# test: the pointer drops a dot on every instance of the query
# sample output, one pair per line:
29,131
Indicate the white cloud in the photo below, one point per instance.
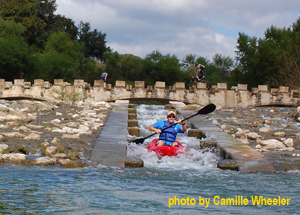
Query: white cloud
180,27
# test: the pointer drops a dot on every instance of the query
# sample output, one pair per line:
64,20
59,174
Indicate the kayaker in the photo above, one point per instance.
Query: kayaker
168,136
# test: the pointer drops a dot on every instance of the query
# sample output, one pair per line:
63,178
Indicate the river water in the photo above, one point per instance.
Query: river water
191,181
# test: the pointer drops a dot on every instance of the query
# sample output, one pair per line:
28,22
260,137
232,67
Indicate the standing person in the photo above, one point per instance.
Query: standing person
168,136
104,76
200,72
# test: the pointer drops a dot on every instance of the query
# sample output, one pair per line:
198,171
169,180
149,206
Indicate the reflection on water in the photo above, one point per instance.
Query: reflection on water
102,190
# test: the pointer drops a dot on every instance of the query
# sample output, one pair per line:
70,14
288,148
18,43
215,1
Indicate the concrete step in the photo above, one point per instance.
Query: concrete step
110,149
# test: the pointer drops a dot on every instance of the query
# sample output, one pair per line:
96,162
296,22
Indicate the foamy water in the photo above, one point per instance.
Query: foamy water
194,158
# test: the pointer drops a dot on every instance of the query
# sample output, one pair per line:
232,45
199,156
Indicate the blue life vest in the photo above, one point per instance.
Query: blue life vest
103,75
168,134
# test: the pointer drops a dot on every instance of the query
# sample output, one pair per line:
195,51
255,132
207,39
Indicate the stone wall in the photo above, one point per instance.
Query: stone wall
237,96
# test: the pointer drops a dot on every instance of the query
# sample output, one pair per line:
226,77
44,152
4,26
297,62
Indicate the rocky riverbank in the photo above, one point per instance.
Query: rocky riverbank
273,131
43,133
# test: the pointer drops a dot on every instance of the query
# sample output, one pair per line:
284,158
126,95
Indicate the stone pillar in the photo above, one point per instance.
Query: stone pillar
120,84
160,85
79,82
97,83
201,86
139,84
58,82
38,82
19,82
230,100
179,85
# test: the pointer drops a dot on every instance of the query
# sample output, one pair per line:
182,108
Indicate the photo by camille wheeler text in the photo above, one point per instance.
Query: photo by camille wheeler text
237,200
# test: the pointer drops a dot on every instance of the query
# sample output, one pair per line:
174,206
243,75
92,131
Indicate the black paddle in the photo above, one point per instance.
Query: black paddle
207,109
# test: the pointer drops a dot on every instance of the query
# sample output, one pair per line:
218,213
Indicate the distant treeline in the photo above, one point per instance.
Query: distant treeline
35,43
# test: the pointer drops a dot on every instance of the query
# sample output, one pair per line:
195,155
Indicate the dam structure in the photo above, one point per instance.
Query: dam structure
237,96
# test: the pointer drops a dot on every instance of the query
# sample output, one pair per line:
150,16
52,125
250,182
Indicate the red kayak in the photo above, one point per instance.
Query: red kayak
165,150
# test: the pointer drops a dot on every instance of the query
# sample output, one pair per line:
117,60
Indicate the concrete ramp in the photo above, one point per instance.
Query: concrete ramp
235,152
110,149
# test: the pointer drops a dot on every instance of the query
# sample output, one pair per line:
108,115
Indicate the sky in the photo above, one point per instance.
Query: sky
180,27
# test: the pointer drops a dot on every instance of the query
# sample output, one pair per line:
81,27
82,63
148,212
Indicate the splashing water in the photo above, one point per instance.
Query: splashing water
194,158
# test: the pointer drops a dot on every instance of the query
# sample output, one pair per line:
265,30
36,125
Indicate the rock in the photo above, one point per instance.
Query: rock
71,136
17,157
280,134
45,161
45,144
224,127
264,130
74,156
32,126
13,134
22,128
253,136
268,122
75,115
55,121
272,144
51,150
3,138
240,132
258,146
55,140
65,162
288,149
60,155
32,136
289,142
3,147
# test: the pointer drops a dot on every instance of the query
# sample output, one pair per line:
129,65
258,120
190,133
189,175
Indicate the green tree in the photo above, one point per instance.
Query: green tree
16,61
289,65
131,67
63,24
113,66
24,12
89,71
62,58
95,44
247,56
158,67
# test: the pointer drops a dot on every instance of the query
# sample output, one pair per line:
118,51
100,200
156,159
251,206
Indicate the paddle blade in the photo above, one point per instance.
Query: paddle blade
207,109
138,141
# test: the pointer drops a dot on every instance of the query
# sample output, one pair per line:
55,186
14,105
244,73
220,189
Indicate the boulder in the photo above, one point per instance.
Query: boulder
13,134
289,142
272,144
32,136
51,150
253,136
280,134
45,161
265,130
17,157
3,147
